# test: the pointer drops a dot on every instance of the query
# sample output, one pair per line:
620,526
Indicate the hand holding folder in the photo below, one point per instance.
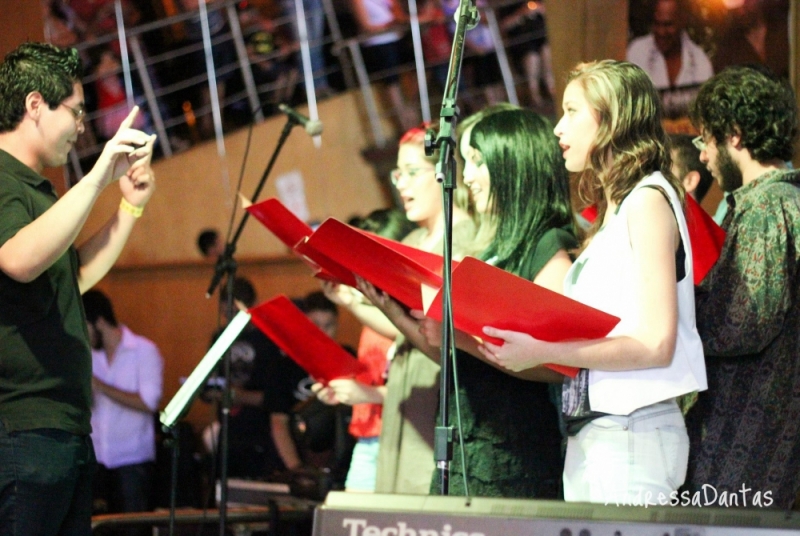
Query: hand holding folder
484,295
319,355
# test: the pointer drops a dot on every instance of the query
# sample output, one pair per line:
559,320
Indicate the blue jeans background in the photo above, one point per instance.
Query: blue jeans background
45,483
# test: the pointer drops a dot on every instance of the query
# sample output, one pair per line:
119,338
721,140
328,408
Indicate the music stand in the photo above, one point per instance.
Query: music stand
180,403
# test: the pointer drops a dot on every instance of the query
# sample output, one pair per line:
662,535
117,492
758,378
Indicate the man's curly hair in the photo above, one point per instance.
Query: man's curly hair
753,104
41,67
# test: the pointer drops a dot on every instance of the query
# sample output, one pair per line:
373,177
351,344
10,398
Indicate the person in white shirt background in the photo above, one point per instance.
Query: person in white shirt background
667,53
127,381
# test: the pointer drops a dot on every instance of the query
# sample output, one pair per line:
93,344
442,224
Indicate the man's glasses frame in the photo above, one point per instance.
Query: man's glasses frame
699,143
78,113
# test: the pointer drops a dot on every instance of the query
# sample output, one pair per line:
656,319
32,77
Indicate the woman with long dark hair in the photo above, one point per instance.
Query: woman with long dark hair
516,175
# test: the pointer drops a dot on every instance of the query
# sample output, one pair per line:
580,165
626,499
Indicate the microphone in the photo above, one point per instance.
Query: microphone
314,128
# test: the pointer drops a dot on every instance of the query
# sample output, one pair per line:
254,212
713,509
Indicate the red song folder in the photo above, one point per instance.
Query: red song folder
484,295
705,236
281,221
431,261
319,355
400,272
293,232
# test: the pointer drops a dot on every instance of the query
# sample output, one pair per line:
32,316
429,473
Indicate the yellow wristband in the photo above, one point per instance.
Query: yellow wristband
134,211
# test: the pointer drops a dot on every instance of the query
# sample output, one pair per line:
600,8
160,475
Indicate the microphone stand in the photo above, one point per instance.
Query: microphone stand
226,267
445,142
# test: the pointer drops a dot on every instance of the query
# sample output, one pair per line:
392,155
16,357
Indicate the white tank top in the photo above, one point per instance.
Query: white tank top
602,278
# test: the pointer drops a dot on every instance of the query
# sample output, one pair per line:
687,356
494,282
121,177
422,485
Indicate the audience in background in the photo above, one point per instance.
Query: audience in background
687,167
260,442
384,52
210,244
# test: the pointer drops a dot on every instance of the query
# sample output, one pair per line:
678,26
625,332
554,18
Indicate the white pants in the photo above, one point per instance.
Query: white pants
628,459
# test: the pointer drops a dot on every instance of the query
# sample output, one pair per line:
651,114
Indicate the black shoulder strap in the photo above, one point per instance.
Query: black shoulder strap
680,254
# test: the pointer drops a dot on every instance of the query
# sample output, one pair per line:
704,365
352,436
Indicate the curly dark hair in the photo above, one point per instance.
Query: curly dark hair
41,67
750,102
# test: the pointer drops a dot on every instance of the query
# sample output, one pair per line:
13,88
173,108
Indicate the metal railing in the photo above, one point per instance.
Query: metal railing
159,96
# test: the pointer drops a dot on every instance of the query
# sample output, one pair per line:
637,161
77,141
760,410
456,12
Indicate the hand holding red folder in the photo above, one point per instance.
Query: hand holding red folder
319,355
484,295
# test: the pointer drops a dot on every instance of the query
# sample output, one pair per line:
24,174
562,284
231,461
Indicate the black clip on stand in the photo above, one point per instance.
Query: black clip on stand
226,266
445,142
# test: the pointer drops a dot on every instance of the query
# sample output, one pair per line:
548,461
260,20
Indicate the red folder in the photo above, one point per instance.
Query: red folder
327,268
705,236
484,295
590,213
431,261
281,221
292,231
319,355
341,249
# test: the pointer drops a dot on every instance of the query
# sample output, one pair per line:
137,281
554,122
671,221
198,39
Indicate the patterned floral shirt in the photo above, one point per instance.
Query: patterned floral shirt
745,429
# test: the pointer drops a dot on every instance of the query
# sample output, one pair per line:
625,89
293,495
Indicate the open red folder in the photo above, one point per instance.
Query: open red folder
484,295
289,229
398,271
281,221
319,355
292,231
705,235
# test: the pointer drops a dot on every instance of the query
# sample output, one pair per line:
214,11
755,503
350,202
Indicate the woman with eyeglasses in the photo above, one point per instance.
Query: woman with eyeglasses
411,396
627,440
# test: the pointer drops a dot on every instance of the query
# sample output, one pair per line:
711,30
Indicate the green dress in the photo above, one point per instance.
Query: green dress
510,426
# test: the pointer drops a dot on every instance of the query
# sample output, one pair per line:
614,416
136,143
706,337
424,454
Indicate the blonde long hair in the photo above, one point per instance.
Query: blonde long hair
631,142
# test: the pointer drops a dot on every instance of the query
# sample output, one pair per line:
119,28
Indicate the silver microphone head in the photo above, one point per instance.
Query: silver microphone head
314,128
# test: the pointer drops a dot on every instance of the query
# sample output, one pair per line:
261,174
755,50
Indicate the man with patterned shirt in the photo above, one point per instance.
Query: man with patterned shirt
745,429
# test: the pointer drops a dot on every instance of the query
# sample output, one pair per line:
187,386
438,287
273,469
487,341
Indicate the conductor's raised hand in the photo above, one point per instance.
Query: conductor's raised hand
127,146
138,183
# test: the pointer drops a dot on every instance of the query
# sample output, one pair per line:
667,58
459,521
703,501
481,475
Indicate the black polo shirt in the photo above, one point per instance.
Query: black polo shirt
45,359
